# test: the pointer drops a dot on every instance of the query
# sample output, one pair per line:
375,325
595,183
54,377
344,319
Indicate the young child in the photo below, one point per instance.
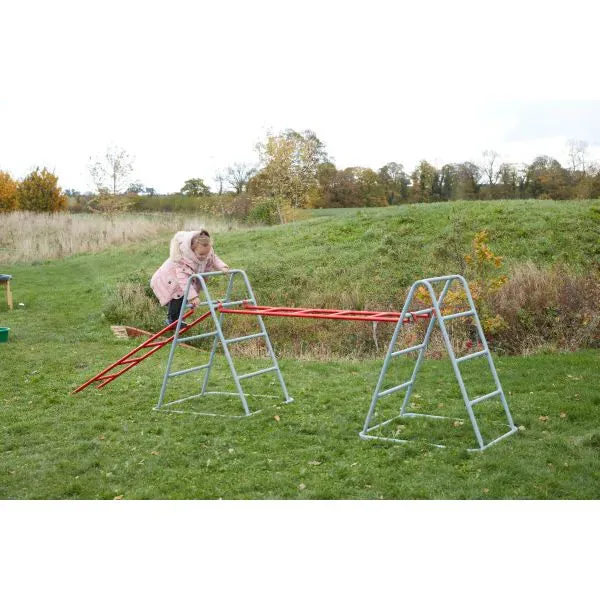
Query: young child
190,252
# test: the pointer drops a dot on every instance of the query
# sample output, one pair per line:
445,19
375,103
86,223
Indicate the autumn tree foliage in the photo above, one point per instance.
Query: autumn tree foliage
8,193
195,187
289,167
39,192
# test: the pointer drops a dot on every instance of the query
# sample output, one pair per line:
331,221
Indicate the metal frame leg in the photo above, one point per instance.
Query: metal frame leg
216,340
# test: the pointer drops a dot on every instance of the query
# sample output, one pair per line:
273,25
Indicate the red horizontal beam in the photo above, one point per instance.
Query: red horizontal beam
323,313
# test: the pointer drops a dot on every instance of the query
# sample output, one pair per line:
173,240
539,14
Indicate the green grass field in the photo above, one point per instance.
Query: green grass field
109,443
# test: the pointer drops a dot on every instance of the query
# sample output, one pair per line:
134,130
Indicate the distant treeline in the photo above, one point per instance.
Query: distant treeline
295,172
544,178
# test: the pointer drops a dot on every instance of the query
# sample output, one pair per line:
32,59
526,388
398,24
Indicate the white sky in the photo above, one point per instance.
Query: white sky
190,87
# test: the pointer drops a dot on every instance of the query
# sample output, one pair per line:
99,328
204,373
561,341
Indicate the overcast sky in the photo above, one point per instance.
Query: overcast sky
190,87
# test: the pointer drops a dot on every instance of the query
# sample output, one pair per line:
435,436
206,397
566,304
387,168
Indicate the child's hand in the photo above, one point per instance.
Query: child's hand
195,302
225,269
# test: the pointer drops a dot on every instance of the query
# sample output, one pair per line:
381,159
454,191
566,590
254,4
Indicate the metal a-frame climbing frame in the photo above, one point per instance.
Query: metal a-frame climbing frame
215,307
440,319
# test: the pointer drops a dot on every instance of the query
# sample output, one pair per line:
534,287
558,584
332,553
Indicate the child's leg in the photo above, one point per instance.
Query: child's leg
174,307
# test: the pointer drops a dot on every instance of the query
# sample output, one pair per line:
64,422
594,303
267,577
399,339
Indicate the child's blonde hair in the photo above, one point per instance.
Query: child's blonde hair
202,237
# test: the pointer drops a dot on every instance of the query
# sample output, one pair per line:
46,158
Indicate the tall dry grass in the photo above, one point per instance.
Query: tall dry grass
26,236
547,308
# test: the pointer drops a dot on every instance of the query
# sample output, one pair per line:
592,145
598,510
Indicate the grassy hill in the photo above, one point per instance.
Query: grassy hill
109,443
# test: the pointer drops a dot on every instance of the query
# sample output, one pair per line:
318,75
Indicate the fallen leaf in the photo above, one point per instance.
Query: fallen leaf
485,490
301,487
231,450
458,423
118,498
543,418
314,463
155,452
277,418
101,436
563,415
522,427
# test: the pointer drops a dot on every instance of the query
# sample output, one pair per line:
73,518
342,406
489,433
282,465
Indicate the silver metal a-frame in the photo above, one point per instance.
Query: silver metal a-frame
218,337
440,319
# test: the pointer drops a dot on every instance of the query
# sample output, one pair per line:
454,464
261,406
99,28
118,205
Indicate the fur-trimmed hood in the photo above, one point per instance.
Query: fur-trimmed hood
181,247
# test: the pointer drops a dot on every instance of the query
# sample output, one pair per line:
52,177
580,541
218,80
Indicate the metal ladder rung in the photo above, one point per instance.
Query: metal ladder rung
411,349
468,313
472,355
196,337
221,303
482,398
176,373
394,389
257,373
244,337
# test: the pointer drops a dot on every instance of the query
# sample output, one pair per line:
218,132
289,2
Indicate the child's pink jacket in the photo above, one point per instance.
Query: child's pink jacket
170,279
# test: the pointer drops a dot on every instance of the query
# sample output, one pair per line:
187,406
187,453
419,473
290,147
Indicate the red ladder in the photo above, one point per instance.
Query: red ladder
107,377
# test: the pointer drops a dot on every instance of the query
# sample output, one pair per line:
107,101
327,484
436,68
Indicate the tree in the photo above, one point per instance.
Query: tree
150,191
195,187
395,182
547,179
426,182
289,168
489,167
220,179
341,187
577,150
468,175
370,190
136,188
39,192
508,181
8,193
238,175
448,181
111,173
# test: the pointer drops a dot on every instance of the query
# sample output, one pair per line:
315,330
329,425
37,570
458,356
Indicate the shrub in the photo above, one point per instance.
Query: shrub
8,193
39,192
133,303
264,212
